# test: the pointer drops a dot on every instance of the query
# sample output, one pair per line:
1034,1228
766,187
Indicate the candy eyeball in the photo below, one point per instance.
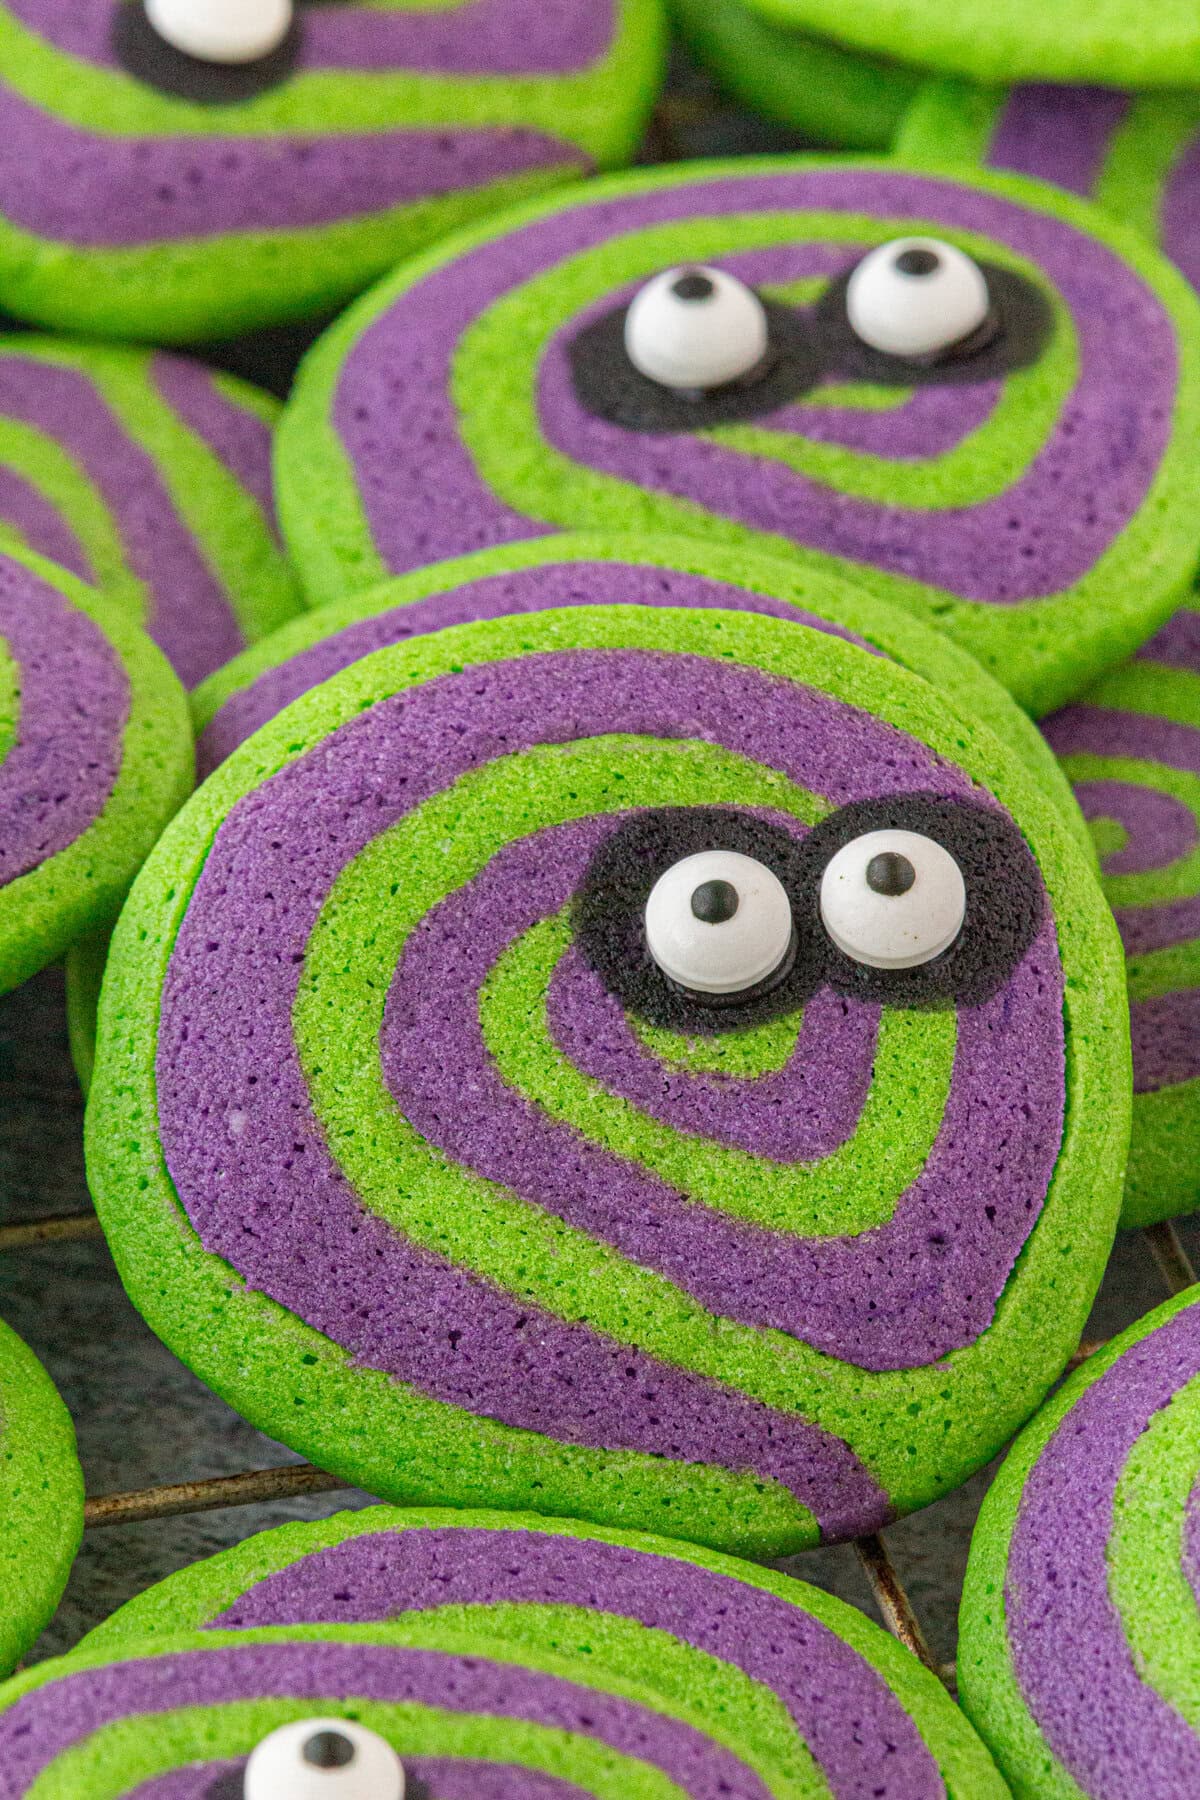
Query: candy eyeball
916,298
893,899
719,923
694,329
324,1759
222,31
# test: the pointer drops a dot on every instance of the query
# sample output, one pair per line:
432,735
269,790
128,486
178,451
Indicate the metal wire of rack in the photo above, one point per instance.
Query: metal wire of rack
293,1480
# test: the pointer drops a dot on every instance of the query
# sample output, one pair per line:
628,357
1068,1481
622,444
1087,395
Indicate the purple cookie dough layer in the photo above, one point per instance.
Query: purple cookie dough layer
193,1783
1166,1039
1082,730
966,1216
64,763
43,529
794,1116
1058,134
1159,829
820,1679
413,746
1191,1540
237,437
1095,467
930,423
1179,213
1114,1734
493,597
474,38
191,618
1176,644
507,1360
48,1721
94,192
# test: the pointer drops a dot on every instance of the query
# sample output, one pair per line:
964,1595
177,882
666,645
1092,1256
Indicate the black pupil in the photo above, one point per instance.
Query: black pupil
714,902
328,1750
917,262
693,286
890,873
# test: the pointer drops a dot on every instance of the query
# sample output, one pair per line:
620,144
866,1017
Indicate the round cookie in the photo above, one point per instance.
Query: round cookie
1113,41
157,195
828,94
150,476
1079,1642
41,1498
1131,747
1030,494
576,569
533,1225
1136,155
811,1698
95,755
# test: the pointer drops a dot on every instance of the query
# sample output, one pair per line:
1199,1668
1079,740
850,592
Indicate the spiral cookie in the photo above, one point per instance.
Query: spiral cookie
992,421
41,1498
95,756
812,1699
1136,155
437,1125
1079,1644
1131,748
1111,41
150,476
187,169
582,570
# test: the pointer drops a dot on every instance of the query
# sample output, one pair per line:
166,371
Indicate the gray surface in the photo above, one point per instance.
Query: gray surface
144,1419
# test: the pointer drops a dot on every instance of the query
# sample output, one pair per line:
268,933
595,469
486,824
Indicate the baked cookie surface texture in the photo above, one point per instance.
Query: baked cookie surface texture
176,171
441,1125
779,1688
1079,1645
95,755
41,1498
972,396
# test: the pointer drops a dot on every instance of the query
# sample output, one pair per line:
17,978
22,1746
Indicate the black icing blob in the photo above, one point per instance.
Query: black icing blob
157,64
1005,906
609,387
805,348
1016,331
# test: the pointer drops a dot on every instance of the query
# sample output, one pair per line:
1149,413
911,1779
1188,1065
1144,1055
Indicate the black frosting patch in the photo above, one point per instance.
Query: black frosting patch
609,387
157,64
1005,903
806,347
1017,330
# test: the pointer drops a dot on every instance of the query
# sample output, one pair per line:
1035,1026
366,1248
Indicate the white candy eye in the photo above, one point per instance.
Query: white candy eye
222,31
916,298
695,328
719,922
324,1759
893,899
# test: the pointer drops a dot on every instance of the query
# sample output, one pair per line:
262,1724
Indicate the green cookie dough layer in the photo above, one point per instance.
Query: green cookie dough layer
41,1498
371,1429
1043,649
959,679
1117,43
186,290
81,888
85,973
828,94
1146,1582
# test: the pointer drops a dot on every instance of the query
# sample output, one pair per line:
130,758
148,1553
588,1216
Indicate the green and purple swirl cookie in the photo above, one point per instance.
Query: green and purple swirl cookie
95,756
1131,747
1136,155
183,169
440,1124
1079,1643
1120,42
41,1498
149,476
978,398
599,1664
